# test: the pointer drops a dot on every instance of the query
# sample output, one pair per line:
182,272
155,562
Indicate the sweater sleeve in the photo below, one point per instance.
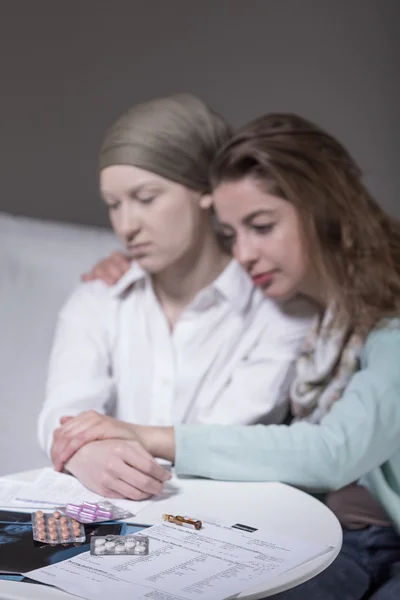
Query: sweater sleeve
360,433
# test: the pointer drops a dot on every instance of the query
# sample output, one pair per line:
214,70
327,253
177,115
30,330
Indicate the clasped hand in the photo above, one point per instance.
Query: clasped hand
107,456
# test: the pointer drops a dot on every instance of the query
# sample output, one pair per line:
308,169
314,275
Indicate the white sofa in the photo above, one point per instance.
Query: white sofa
40,263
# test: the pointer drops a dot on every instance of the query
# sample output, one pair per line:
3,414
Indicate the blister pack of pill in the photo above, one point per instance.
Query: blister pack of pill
54,528
119,545
95,512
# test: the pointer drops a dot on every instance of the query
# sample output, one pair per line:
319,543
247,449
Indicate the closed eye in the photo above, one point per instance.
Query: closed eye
113,205
227,239
263,229
147,200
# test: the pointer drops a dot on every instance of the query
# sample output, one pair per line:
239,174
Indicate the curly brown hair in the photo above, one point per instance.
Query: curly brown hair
353,243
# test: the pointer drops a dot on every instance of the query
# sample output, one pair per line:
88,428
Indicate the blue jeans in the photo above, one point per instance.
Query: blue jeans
367,567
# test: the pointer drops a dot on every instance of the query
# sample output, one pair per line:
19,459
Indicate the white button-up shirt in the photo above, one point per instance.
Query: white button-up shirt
228,359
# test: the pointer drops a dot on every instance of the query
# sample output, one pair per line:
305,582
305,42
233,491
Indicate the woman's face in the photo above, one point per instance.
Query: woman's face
157,220
264,233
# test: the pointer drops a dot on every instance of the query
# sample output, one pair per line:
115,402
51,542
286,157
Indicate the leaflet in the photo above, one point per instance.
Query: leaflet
52,489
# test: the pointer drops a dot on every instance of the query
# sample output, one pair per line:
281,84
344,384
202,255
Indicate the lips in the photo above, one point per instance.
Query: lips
263,279
138,248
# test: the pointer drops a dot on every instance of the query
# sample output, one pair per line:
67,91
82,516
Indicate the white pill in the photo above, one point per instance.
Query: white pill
120,548
110,545
100,550
130,544
99,542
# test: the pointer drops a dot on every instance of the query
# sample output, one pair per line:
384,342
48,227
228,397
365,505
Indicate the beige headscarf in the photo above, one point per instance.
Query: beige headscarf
176,137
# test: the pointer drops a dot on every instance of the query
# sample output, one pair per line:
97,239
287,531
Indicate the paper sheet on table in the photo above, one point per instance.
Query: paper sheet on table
56,489
9,490
211,564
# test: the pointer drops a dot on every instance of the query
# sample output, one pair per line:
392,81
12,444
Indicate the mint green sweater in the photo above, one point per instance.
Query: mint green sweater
359,440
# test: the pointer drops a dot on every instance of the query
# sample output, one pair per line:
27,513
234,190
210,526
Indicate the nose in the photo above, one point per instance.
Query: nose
245,252
129,223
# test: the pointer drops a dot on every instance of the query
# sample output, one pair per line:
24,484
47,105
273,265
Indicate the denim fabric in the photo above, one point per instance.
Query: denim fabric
368,567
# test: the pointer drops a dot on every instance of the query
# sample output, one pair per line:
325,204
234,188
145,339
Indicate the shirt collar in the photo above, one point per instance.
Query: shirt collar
135,274
233,284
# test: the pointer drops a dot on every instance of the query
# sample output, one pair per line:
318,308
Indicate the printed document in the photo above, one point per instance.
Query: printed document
184,564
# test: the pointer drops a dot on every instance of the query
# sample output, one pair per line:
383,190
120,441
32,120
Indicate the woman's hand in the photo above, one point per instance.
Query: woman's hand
118,469
110,269
158,441
89,426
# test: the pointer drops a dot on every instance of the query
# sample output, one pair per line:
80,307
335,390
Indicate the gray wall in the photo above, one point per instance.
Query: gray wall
68,69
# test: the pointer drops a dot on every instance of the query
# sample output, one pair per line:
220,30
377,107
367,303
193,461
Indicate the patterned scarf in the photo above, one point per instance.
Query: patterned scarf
329,358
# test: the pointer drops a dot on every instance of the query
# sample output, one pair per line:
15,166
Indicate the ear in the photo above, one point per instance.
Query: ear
206,201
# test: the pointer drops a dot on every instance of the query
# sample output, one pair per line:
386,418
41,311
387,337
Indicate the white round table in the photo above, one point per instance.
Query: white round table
276,506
